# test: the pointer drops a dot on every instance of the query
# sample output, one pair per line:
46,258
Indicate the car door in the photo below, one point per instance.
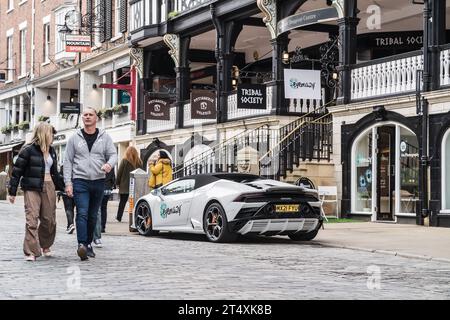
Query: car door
175,203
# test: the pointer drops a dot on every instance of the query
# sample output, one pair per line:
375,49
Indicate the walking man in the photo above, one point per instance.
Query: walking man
90,155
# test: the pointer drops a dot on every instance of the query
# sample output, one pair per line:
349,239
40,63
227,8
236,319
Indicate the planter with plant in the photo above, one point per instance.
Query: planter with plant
6,129
43,118
24,125
15,127
107,113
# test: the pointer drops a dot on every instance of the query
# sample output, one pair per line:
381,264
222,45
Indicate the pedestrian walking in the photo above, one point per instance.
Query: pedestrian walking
90,155
110,184
69,207
36,170
130,162
160,170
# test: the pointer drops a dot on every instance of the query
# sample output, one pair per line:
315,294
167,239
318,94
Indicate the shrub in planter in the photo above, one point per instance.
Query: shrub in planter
24,125
124,108
43,118
15,127
5,130
107,113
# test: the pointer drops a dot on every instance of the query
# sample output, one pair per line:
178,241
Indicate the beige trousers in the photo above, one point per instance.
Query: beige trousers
40,207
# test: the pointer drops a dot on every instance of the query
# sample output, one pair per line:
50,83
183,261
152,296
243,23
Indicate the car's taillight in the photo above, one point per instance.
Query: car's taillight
249,197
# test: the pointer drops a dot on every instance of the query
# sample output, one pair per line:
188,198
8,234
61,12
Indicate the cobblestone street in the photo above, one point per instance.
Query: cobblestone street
188,267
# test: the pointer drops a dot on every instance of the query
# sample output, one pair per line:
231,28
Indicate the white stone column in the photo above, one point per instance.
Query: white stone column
115,93
104,80
20,114
58,98
14,110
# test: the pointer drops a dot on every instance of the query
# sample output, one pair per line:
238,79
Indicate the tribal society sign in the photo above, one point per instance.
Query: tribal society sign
302,84
251,96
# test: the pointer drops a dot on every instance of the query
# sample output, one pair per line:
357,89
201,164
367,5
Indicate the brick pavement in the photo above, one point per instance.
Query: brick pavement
174,266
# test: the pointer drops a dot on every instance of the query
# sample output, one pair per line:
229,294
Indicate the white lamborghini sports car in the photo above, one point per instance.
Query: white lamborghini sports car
225,205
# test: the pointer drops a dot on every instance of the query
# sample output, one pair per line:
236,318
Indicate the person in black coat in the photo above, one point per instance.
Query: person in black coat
69,207
35,169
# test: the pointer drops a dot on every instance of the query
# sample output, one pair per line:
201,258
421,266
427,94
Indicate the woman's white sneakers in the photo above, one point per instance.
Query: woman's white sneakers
30,258
46,252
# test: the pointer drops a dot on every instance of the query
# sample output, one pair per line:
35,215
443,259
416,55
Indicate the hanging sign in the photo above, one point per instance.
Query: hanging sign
302,84
156,109
67,107
78,43
307,18
203,104
251,96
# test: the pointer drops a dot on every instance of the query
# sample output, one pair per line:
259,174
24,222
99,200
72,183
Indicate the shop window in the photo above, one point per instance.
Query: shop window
363,174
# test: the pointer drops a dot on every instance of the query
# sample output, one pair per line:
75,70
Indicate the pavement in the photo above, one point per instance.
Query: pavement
181,266
410,241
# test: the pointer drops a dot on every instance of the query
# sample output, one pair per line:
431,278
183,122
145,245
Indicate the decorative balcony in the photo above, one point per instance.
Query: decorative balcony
388,76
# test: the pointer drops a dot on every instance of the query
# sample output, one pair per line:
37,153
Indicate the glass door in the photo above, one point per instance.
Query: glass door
385,167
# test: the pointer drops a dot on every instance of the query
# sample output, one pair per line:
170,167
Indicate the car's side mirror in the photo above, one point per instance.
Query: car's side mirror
163,191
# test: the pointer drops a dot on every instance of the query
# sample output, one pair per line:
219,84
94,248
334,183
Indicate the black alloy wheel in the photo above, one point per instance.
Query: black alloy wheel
215,224
143,220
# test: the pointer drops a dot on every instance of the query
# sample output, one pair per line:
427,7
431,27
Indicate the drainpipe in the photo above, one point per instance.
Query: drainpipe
33,25
424,159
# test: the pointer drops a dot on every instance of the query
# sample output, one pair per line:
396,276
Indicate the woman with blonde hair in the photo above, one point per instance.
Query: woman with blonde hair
36,169
130,162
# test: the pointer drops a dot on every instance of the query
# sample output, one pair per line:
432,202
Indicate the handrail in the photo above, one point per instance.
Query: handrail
292,132
206,153
386,59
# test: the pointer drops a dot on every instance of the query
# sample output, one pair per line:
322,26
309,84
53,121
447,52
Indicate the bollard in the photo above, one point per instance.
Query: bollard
3,178
138,188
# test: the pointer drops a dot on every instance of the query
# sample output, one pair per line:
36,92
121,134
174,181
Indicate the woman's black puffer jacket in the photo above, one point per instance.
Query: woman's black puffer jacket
30,167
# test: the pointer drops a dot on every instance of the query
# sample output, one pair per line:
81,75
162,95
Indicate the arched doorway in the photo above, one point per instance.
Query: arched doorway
385,172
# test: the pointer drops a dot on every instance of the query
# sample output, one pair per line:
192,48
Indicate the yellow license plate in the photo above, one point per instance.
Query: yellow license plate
287,207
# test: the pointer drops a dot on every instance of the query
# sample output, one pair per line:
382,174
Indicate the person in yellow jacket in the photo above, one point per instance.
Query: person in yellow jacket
160,170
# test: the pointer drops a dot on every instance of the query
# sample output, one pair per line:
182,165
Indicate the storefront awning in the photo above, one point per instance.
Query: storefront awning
8,147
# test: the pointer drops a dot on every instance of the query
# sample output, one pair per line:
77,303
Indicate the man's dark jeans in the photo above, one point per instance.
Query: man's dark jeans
88,196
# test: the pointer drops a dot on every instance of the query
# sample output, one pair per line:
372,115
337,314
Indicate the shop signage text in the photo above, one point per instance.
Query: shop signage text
302,84
156,109
306,18
78,43
251,96
67,107
203,104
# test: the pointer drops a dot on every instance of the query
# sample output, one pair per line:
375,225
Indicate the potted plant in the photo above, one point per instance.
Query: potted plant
124,108
117,109
5,130
43,118
15,127
24,125
107,113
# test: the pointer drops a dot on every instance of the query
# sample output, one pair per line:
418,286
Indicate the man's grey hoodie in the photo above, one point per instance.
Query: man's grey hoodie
79,163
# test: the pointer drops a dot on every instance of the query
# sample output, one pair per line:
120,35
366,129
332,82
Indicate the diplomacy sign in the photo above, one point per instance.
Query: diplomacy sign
203,104
302,84
156,109
251,96
78,43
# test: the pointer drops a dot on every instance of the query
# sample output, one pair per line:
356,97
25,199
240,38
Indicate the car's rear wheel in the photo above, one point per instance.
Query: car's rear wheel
304,236
215,224
143,220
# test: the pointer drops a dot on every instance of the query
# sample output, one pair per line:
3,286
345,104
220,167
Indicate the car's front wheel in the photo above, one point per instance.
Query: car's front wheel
304,236
215,224
143,220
